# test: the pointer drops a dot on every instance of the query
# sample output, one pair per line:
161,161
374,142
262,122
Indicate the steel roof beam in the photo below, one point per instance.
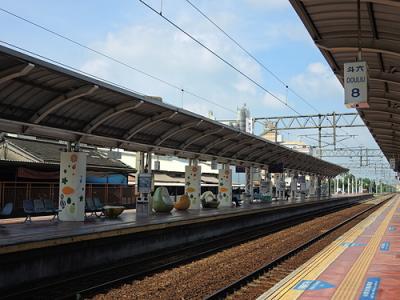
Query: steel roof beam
235,145
15,72
199,136
256,153
393,3
220,141
372,20
62,100
262,157
368,45
246,149
149,122
110,113
175,130
276,156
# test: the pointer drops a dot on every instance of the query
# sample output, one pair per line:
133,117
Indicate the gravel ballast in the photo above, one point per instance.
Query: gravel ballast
202,277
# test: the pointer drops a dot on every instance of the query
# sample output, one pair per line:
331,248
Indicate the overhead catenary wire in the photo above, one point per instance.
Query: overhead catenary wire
259,62
219,56
222,59
107,56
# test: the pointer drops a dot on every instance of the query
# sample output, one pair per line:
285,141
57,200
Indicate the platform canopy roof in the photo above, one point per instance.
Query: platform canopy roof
333,24
46,100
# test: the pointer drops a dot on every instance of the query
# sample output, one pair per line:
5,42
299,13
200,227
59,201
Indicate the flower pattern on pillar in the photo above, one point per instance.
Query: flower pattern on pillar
72,186
193,185
225,187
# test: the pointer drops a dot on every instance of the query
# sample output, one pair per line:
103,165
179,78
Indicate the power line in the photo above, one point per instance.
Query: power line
251,55
219,56
254,58
112,59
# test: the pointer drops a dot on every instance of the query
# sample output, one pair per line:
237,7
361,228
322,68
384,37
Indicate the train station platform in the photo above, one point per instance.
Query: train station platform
41,249
361,264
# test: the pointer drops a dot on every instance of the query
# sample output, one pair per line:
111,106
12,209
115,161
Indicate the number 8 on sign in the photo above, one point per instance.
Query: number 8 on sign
355,92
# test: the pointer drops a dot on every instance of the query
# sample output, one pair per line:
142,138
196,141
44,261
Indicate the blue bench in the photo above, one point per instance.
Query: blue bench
94,207
7,210
38,207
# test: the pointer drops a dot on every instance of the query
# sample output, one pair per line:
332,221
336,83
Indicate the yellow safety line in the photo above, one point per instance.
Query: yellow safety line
350,285
316,265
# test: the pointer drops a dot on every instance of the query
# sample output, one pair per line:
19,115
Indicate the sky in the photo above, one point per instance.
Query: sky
130,32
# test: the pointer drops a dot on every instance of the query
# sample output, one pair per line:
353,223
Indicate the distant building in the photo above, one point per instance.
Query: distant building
298,146
271,134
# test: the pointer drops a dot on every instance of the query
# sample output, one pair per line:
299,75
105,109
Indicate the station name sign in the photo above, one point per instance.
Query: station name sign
356,84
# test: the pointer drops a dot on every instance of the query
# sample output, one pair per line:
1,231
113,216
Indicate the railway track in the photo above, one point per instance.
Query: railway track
92,282
264,278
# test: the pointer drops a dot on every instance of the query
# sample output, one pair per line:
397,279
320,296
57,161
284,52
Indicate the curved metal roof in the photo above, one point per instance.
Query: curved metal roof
45,100
333,26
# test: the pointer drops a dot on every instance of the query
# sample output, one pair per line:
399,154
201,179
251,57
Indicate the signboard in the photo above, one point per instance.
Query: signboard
312,285
276,168
240,169
370,289
351,244
144,183
249,125
356,84
385,246
264,187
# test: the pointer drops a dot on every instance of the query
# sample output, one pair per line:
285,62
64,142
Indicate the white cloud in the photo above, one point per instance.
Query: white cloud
170,55
272,103
282,32
318,84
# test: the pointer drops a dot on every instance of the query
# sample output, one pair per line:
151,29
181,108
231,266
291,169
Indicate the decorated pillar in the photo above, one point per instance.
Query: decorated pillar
143,186
72,186
280,185
303,188
318,189
311,190
265,185
249,182
193,184
225,186
293,186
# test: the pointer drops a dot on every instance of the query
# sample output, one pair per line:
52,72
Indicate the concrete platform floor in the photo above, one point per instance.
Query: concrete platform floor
362,264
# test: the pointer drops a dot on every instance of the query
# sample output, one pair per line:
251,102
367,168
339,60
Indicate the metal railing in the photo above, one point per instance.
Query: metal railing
16,192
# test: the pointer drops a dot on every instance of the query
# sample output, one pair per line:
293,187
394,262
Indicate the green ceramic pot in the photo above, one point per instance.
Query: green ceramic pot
161,200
